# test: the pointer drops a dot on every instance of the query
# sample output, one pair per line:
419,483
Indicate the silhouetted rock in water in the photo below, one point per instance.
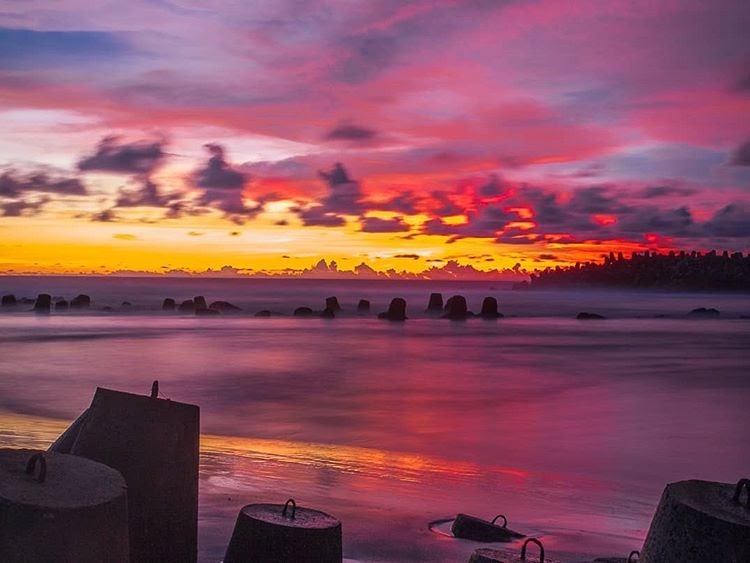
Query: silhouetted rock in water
126,304
224,307
43,303
275,532
263,313
81,301
333,304
489,309
61,305
303,312
168,304
396,310
477,529
435,304
363,306
200,302
207,312
57,507
8,301
328,313
705,313
456,309
186,306
588,316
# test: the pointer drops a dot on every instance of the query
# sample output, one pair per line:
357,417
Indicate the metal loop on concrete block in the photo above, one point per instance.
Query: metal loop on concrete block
294,508
505,520
738,491
538,543
31,465
634,556
155,389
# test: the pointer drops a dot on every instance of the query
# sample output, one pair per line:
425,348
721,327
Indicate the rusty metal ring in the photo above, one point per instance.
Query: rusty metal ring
738,491
505,520
294,508
31,465
538,543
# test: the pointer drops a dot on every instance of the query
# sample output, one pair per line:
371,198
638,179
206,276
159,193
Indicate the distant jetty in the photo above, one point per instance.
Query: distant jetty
688,271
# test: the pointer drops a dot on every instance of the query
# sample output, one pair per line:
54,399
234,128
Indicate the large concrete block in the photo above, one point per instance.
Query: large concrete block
698,522
57,507
275,533
154,443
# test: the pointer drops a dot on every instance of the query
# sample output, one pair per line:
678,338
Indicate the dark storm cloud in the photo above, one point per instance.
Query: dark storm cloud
112,155
731,221
741,156
377,225
147,196
218,174
350,132
494,187
344,197
317,216
665,191
23,207
14,184
104,216
406,202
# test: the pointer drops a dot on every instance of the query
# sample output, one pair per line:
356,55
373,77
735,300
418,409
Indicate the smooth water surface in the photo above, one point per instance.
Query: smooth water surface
569,428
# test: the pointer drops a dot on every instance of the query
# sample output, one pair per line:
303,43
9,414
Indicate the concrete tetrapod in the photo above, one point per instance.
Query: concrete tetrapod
473,528
700,521
274,533
57,507
154,444
485,555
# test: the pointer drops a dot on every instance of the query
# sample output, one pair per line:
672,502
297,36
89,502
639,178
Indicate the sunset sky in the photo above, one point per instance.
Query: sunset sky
267,135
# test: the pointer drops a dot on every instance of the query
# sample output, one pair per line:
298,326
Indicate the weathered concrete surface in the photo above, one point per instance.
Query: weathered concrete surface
698,522
477,529
77,514
532,551
154,444
264,533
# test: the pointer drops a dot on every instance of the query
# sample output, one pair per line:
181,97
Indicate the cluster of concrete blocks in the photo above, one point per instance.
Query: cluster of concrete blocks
121,485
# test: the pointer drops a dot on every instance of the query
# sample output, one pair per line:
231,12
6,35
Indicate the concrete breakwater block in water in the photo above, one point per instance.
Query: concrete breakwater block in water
456,309
396,310
498,556
275,533
700,521
332,303
435,304
57,507
43,303
154,444
473,528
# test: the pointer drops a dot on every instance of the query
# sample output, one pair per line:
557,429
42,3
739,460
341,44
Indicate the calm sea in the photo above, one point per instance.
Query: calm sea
569,428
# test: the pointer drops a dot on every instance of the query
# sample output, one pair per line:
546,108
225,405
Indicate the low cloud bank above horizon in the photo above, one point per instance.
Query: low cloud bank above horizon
530,132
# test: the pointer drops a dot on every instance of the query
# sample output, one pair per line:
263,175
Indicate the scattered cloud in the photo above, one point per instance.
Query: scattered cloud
117,156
